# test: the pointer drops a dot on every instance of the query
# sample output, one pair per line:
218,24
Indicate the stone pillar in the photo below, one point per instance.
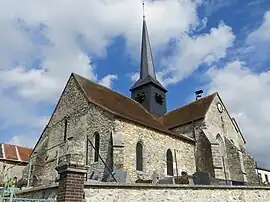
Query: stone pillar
71,183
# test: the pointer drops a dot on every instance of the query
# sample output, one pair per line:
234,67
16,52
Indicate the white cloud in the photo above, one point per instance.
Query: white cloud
263,32
258,43
135,76
64,35
14,112
25,140
247,95
108,80
63,23
191,52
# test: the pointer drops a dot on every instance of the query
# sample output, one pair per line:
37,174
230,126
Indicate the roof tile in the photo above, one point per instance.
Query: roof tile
190,112
121,105
24,153
11,153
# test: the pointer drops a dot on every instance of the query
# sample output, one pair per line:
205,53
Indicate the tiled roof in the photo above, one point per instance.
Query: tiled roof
190,112
121,105
14,153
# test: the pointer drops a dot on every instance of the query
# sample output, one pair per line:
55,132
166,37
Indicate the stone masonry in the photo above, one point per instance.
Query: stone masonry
149,193
155,145
216,135
85,119
231,141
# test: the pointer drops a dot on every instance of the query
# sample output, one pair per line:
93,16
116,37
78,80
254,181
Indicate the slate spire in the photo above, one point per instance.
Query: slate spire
147,90
147,65
147,70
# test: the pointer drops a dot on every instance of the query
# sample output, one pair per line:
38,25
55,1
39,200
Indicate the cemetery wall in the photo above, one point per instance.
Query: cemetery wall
149,192
177,193
41,192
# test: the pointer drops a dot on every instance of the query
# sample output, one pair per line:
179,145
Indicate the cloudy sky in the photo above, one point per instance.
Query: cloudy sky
214,45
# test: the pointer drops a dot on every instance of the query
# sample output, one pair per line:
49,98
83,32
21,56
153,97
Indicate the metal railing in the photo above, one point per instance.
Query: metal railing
8,195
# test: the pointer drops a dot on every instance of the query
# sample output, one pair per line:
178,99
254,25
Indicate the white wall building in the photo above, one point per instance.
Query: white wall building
264,175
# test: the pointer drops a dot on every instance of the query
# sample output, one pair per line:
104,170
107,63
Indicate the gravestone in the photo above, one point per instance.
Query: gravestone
166,180
202,178
183,179
155,177
120,175
238,183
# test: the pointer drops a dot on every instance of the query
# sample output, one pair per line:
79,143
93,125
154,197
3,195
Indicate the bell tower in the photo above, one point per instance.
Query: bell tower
148,91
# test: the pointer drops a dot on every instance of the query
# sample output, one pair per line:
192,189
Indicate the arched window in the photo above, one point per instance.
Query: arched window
139,156
97,143
169,160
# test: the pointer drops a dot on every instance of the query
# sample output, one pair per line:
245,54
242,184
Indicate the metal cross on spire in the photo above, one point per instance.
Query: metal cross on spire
143,9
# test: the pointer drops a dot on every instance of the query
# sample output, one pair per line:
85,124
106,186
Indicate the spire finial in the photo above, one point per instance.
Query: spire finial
143,9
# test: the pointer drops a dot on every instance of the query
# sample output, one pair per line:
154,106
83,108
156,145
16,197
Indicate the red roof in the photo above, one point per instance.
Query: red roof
14,152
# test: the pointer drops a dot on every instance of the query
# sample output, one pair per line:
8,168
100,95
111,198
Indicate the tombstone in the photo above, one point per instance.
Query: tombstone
166,180
238,183
155,177
221,182
145,181
120,175
201,178
183,179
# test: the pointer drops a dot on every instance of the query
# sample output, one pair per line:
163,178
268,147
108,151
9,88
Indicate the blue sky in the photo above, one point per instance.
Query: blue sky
213,45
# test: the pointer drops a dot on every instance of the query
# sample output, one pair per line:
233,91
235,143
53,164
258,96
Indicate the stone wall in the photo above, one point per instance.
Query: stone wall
40,192
249,164
149,192
191,129
218,123
175,193
155,146
204,159
11,169
83,119
203,150
234,164
221,123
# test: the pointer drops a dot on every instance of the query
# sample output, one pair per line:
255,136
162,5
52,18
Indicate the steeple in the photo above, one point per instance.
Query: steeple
148,90
147,65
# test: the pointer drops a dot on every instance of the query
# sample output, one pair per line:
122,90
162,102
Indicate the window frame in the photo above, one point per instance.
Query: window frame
169,163
139,156
97,147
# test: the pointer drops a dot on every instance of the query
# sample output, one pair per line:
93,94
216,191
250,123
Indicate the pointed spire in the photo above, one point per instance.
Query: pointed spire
147,65
147,71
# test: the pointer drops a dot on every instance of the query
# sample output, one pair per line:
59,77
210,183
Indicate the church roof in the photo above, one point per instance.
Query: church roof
121,105
10,152
145,81
190,112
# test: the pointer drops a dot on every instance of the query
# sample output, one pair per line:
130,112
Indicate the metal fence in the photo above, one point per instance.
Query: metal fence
11,199
8,195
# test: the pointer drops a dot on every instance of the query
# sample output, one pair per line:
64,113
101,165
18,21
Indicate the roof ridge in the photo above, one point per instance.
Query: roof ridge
185,105
15,145
155,125
138,104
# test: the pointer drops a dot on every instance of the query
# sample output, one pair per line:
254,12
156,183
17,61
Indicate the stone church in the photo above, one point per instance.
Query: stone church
134,137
